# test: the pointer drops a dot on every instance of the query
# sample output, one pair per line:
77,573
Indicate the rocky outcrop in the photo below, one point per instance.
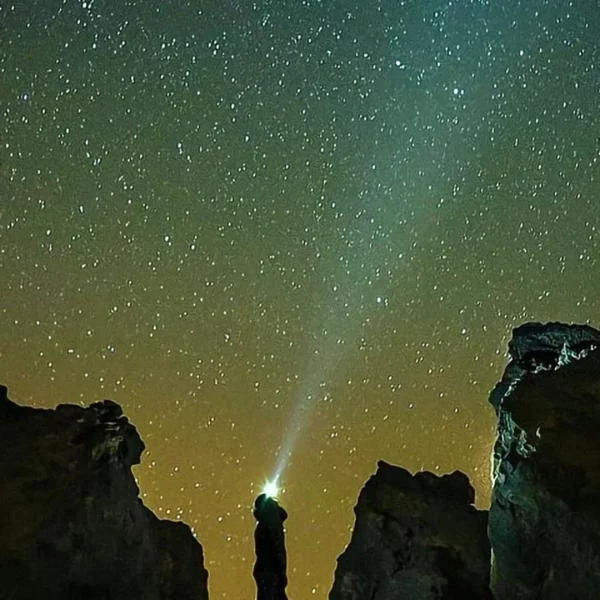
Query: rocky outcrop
544,523
72,526
416,537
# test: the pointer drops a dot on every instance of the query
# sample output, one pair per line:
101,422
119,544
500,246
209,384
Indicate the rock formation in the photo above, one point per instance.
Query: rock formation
416,537
72,526
544,523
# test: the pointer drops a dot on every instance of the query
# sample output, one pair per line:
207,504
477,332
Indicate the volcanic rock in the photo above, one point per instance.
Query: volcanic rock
72,525
415,537
544,523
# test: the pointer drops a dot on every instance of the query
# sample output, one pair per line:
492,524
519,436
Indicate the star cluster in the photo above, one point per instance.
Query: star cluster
294,228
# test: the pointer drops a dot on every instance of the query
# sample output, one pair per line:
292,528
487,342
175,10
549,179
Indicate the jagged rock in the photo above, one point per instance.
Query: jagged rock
544,523
416,537
72,526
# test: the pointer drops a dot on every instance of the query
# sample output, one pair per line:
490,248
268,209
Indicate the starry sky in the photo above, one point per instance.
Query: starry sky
291,236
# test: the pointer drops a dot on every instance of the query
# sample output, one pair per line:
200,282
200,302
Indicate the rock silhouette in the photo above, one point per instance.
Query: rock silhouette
416,537
545,513
72,525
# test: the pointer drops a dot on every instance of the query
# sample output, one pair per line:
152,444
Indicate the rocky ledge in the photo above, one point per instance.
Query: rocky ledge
72,525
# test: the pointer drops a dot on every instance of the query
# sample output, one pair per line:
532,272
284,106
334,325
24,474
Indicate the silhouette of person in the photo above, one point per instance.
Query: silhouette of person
269,543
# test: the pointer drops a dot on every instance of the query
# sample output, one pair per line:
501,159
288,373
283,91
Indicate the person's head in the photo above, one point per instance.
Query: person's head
265,507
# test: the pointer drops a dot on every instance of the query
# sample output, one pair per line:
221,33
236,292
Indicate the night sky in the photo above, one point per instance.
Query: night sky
291,236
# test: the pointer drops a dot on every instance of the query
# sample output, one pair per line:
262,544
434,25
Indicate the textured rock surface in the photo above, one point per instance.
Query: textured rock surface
72,526
415,537
544,523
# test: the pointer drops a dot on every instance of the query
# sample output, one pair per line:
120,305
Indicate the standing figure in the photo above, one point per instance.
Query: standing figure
269,543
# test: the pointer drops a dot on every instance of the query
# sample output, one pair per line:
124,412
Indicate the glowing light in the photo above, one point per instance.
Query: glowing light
349,293
270,489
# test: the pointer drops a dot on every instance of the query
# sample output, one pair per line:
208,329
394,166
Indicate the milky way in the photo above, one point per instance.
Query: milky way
291,229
